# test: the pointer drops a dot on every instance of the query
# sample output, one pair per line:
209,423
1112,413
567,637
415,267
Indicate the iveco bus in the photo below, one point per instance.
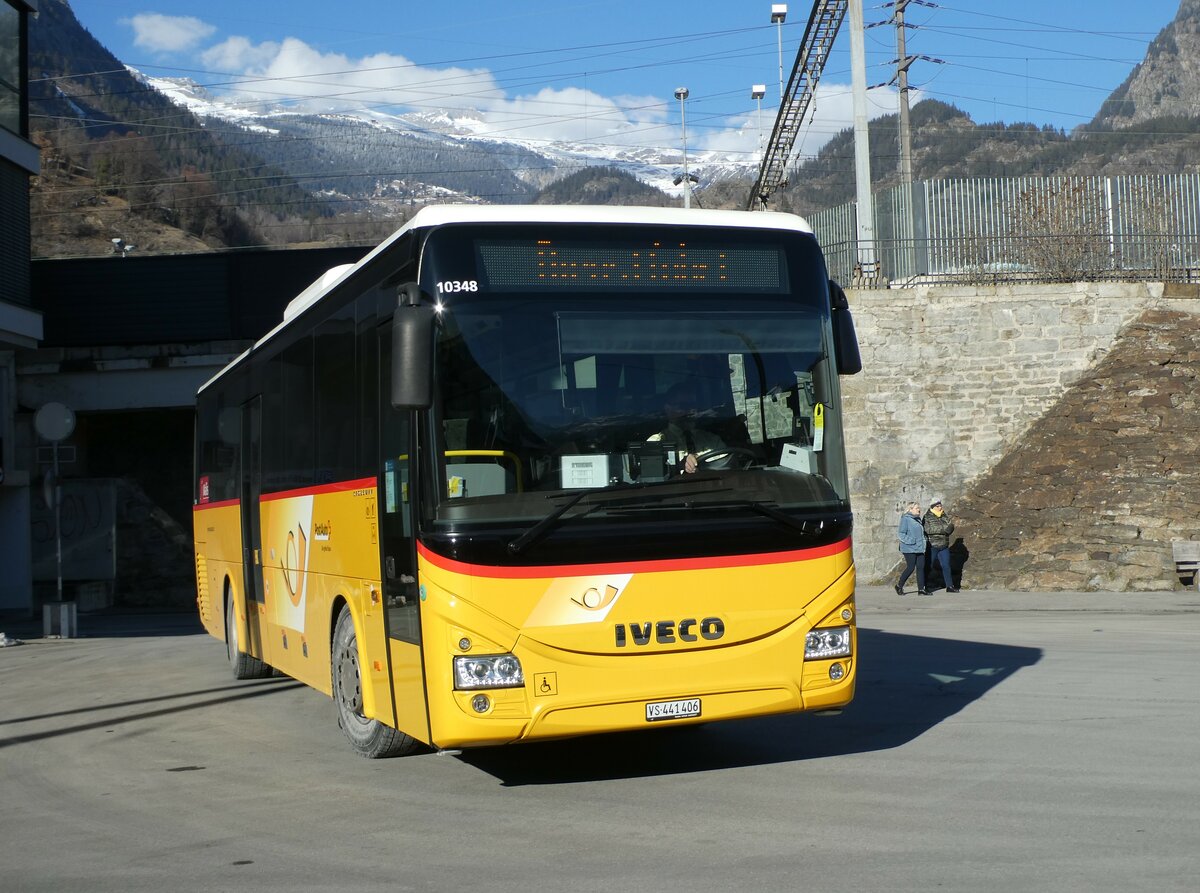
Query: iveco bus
533,472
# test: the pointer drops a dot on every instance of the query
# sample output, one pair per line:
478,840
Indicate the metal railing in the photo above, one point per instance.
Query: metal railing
1025,229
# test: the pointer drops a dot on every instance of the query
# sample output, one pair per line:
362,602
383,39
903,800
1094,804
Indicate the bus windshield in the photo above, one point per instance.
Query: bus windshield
709,390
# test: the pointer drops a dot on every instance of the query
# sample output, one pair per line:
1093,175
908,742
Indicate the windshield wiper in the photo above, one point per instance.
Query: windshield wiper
768,509
538,530
542,527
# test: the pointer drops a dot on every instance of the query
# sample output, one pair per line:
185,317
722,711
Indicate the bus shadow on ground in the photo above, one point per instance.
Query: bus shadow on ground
906,685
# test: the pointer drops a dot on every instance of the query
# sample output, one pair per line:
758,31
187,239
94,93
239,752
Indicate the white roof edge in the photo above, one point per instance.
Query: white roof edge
440,215
221,371
436,215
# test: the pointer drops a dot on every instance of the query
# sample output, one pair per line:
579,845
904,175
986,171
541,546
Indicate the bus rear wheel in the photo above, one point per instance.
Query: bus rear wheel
370,737
243,665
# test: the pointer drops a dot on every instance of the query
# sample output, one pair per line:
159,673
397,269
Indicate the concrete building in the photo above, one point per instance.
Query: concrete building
20,323
128,340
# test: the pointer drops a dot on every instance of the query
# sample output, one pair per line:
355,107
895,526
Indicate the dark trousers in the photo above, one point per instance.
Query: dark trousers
942,557
913,561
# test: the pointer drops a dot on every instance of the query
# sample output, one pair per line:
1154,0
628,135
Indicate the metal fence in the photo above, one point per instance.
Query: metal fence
1023,229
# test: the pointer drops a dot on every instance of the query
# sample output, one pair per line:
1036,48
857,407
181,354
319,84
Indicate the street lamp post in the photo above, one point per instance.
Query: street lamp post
681,93
757,92
778,17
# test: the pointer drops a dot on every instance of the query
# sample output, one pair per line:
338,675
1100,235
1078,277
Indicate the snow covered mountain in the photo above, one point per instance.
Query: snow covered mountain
379,160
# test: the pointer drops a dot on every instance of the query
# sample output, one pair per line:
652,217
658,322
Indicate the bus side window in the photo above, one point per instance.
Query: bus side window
219,437
335,398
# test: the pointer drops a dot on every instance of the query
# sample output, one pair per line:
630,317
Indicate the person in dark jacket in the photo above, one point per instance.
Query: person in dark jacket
912,547
938,527
698,447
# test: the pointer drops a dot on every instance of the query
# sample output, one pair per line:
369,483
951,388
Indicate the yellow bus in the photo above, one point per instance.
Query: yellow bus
535,472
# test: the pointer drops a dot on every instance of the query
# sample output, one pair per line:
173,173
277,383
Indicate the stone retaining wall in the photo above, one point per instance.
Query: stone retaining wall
956,379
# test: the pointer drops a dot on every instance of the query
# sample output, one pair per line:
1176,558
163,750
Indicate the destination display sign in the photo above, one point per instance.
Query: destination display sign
568,265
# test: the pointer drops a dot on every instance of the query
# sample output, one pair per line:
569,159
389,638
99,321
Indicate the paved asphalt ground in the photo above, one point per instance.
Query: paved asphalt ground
999,742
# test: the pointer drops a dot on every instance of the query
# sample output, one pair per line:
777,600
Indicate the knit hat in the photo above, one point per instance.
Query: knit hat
937,500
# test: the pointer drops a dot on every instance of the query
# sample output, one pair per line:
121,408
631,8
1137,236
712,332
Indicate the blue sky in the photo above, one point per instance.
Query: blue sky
605,71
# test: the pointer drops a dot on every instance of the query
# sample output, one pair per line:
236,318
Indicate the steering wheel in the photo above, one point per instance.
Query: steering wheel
743,457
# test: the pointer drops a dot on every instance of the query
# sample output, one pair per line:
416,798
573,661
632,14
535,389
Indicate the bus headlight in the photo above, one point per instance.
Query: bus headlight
821,644
496,671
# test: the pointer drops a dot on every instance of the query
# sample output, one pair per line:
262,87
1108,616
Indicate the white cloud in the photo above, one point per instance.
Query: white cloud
237,54
167,34
575,115
295,74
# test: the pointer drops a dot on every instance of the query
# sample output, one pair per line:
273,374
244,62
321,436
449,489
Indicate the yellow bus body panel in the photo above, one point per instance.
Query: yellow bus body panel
319,551
579,678
217,532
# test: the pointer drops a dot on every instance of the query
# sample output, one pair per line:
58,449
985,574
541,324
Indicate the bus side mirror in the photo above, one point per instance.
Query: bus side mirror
845,339
412,355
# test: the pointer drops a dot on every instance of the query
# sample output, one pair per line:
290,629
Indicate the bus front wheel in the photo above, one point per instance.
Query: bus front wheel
370,737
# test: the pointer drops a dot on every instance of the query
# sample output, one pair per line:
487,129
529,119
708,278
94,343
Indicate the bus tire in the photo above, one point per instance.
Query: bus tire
243,665
369,737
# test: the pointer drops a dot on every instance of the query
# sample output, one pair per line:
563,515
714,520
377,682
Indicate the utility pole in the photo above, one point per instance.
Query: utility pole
909,255
868,268
902,63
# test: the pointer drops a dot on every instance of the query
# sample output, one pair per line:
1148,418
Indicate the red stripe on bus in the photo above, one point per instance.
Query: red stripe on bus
671,564
215,505
339,487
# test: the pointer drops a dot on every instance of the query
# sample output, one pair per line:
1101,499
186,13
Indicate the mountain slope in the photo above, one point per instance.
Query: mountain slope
948,144
1166,83
376,157
602,186
151,159
121,140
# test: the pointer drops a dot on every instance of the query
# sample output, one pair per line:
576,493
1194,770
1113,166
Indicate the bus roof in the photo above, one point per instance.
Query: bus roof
437,215
440,215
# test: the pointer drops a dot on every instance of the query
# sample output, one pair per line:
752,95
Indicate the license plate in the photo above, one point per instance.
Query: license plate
660,710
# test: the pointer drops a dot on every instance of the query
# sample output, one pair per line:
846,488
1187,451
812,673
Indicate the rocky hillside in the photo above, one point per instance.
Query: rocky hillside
73,216
1096,490
133,162
1167,81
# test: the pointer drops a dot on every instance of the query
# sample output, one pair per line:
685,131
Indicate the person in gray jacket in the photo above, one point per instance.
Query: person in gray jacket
938,527
912,547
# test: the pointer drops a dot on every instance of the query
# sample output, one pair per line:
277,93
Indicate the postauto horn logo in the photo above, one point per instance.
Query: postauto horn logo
594,600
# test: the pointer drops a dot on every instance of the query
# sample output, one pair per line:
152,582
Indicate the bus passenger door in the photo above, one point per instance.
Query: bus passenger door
400,589
251,453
